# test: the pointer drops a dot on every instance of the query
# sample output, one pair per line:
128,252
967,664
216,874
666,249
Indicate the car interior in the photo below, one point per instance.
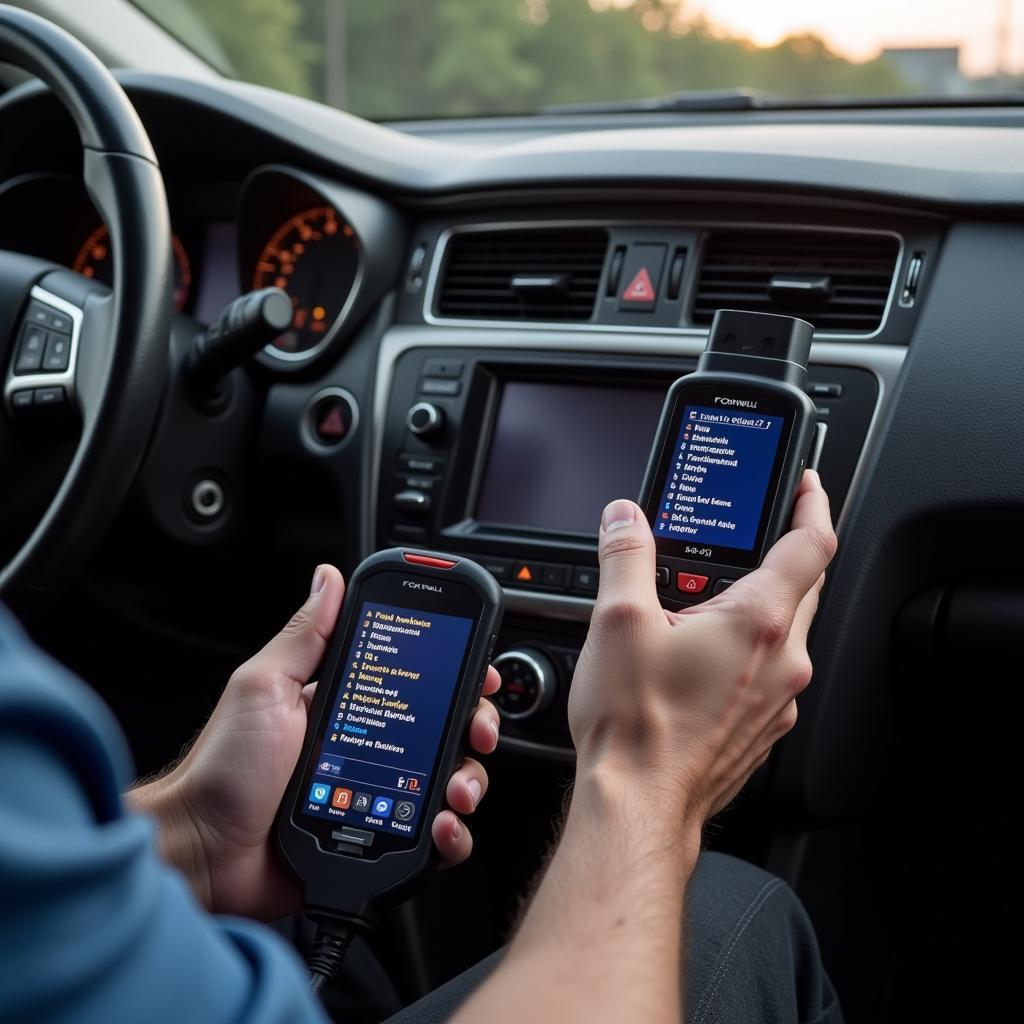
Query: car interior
486,315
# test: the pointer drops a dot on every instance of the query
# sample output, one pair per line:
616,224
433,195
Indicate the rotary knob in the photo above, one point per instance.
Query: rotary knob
424,419
527,683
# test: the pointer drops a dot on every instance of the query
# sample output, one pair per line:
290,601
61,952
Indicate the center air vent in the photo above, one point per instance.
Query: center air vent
529,274
837,281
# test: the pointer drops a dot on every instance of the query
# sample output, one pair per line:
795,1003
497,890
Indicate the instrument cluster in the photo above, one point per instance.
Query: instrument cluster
289,229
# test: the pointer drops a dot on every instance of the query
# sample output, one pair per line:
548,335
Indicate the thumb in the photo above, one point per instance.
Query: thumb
626,553
298,649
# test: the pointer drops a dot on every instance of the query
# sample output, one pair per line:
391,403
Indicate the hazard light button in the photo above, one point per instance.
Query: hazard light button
330,418
641,277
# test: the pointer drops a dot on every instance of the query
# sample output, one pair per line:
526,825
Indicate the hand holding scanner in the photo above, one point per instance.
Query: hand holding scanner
387,729
732,443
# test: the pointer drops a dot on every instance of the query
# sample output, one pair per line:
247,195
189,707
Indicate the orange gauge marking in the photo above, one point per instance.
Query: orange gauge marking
314,257
94,255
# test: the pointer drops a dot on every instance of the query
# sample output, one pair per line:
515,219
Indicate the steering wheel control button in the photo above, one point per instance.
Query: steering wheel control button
412,502
424,420
584,578
49,396
57,354
22,399
207,499
30,349
48,318
330,420
662,576
722,585
641,278
690,583
527,683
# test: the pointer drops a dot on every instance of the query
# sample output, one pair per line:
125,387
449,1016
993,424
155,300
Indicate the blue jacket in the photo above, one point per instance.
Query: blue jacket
94,927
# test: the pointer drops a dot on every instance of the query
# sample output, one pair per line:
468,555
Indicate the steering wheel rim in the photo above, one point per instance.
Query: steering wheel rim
122,344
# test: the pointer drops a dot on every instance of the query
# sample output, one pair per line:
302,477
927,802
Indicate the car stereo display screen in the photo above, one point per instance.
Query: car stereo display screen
390,705
560,452
717,481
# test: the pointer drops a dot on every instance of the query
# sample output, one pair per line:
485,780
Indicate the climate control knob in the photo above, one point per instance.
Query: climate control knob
527,683
424,419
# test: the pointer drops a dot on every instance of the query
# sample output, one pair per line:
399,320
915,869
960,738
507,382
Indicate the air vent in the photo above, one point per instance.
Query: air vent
838,281
535,274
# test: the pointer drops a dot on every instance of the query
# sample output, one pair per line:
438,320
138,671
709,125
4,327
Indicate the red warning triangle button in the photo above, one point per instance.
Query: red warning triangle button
332,425
640,289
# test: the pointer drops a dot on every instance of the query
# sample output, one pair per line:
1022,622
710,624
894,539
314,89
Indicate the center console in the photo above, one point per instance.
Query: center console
509,455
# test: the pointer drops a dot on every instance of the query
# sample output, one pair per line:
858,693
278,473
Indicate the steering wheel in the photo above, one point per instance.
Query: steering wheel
70,347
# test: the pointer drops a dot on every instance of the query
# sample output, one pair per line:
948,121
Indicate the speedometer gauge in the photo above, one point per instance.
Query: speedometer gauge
94,260
314,257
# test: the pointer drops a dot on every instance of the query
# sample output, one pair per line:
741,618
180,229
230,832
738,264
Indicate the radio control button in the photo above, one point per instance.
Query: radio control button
442,368
440,386
420,463
424,420
722,585
662,576
412,502
499,568
690,583
527,683
585,578
554,575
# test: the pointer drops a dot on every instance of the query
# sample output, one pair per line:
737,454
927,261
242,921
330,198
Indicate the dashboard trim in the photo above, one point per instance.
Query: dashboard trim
883,361
440,248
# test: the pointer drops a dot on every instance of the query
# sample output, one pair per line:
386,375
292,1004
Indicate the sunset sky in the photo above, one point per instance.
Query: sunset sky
860,28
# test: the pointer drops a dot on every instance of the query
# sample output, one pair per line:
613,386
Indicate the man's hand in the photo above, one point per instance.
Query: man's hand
691,702
670,713
216,808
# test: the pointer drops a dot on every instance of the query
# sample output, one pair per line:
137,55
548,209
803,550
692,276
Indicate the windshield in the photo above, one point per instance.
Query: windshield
392,59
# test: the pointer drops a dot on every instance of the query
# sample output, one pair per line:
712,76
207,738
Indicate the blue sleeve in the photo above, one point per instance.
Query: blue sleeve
93,926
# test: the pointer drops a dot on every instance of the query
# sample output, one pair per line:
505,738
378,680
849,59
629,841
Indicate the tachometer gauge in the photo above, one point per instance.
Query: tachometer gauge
314,257
94,260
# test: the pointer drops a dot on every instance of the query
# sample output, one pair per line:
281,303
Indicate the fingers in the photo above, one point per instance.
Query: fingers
626,554
797,561
484,727
466,788
452,838
295,653
492,682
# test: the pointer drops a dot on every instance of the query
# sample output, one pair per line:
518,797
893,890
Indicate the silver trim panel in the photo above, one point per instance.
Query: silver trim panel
437,261
63,379
883,361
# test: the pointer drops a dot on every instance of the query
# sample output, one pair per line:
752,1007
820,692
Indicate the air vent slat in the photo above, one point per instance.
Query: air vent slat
476,280
739,266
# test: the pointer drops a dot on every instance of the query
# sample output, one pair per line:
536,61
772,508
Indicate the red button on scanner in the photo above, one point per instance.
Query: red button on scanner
434,563
690,583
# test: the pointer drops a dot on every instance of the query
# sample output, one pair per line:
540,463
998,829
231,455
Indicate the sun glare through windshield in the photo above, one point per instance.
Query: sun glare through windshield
389,59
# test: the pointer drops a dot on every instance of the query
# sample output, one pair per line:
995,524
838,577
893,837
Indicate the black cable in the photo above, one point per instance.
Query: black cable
329,948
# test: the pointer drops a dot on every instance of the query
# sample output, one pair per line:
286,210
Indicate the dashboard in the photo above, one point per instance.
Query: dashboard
486,316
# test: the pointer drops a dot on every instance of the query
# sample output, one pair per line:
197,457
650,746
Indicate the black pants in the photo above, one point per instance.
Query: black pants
753,956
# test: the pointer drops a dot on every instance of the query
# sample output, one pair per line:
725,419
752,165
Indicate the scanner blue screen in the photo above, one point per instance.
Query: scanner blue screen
718,478
387,719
